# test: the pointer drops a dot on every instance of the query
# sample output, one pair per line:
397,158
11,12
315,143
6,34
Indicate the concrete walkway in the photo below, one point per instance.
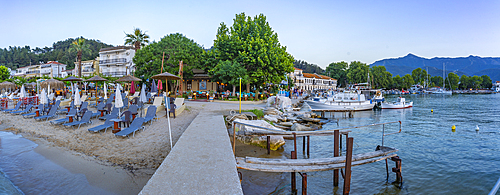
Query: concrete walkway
201,162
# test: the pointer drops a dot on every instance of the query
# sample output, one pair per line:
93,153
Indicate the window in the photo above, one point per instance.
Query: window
189,85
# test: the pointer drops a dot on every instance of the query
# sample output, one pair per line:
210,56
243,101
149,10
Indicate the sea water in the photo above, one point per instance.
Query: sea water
435,160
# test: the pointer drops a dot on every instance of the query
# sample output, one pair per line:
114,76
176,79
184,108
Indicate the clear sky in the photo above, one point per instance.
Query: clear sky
319,32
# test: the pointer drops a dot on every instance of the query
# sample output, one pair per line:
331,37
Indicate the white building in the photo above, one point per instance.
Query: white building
53,68
88,67
307,81
116,61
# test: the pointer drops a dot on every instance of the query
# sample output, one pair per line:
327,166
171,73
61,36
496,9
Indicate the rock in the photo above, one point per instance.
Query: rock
271,118
275,141
299,127
286,124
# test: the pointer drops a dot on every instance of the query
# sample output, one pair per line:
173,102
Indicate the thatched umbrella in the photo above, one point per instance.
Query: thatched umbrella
7,85
56,84
128,78
96,79
167,76
72,78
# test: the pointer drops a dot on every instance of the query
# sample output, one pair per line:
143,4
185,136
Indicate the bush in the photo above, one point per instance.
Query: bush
257,112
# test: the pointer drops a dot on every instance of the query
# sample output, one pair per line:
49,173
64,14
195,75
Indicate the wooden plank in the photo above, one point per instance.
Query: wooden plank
318,161
241,164
259,132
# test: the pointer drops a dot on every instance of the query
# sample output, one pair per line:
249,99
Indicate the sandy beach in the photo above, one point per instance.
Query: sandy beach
119,165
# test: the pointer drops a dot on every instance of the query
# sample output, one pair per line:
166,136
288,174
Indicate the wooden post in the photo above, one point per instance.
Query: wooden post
268,144
304,183
308,146
234,139
335,154
348,161
304,145
294,156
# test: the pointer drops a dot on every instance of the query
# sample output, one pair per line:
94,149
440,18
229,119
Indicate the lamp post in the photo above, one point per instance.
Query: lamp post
240,94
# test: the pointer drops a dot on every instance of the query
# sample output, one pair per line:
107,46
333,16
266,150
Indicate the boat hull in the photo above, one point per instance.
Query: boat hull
396,105
340,106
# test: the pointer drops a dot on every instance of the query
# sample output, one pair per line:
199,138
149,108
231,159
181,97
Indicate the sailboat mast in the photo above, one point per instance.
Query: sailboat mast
444,83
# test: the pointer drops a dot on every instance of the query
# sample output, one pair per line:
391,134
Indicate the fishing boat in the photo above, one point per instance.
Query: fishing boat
342,101
399,104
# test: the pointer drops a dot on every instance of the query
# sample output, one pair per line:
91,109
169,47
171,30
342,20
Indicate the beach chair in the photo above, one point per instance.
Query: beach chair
135,126
107,124
26,110
136,93
51,114
85,120
128,117
18,105
150,114
114,112
33,113
100,106
84,105
133,109
84,98
72,112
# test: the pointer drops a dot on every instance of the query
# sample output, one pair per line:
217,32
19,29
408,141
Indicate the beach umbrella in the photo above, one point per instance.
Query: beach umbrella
78,101
142,97
48,89
43,98
132,89
105,91
72,78
167,76
54,83
118,98
95,79
23,92
160,85
128,78
7,85
153,87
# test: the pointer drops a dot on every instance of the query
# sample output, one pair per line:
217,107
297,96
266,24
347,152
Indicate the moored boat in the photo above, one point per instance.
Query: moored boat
399,104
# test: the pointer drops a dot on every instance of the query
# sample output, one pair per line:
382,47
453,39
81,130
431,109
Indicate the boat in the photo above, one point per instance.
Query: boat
399,104
342,101
416,89
443,90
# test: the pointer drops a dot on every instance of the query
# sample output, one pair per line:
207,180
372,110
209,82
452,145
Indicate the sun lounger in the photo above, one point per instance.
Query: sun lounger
51,114
33,113
19,103
72,112
99,107
135,126
150,114
26,110
85,120
105,126
114,112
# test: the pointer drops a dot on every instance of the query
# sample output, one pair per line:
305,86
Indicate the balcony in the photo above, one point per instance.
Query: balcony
33,72
88,70
112,61
115,74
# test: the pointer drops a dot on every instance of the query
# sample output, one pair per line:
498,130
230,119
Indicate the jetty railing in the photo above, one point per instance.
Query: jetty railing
269,131
495,188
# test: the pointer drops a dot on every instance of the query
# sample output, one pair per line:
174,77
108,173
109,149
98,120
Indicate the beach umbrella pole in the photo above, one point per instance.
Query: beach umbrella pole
169,129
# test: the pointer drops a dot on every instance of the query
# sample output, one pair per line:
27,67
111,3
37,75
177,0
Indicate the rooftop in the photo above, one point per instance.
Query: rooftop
115,48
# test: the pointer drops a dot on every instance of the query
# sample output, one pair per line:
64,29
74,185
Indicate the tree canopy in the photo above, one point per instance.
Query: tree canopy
4,73
308,68
138,39
357,72
338,70
252,44
15,57
177,48
80,47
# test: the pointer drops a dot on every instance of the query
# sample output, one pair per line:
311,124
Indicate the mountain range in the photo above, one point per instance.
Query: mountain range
470,66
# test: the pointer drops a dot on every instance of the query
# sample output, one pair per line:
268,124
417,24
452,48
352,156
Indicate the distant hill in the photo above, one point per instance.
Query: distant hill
472,65
308,68
16,56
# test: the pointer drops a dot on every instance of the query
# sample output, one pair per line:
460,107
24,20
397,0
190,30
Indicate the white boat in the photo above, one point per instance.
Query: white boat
443,90
343,101
399,104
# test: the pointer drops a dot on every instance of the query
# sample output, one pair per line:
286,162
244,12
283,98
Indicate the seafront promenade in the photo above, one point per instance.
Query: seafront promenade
202,160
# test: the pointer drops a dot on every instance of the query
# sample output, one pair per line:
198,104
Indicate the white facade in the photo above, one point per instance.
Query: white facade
51,67
307,81
87,67
116,61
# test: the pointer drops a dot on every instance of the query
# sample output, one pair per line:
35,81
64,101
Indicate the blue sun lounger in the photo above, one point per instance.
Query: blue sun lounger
135,126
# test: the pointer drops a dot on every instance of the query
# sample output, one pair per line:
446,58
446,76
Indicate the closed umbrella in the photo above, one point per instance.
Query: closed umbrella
142,97
43,98
78,101
118,98
153,87
105,91
23,92
132,89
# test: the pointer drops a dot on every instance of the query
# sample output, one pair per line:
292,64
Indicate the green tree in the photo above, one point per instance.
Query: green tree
407,81
177,48
487,82
452,80
338,70
137,39
476,81
418,75
4,73
357,72
254,45
381,78
80,48
465,82
397,82
437,81
230,72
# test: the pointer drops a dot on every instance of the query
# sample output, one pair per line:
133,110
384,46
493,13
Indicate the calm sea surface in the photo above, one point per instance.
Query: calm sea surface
435,160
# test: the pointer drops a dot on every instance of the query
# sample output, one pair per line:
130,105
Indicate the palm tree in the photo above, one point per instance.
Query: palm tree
80,47
137,39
